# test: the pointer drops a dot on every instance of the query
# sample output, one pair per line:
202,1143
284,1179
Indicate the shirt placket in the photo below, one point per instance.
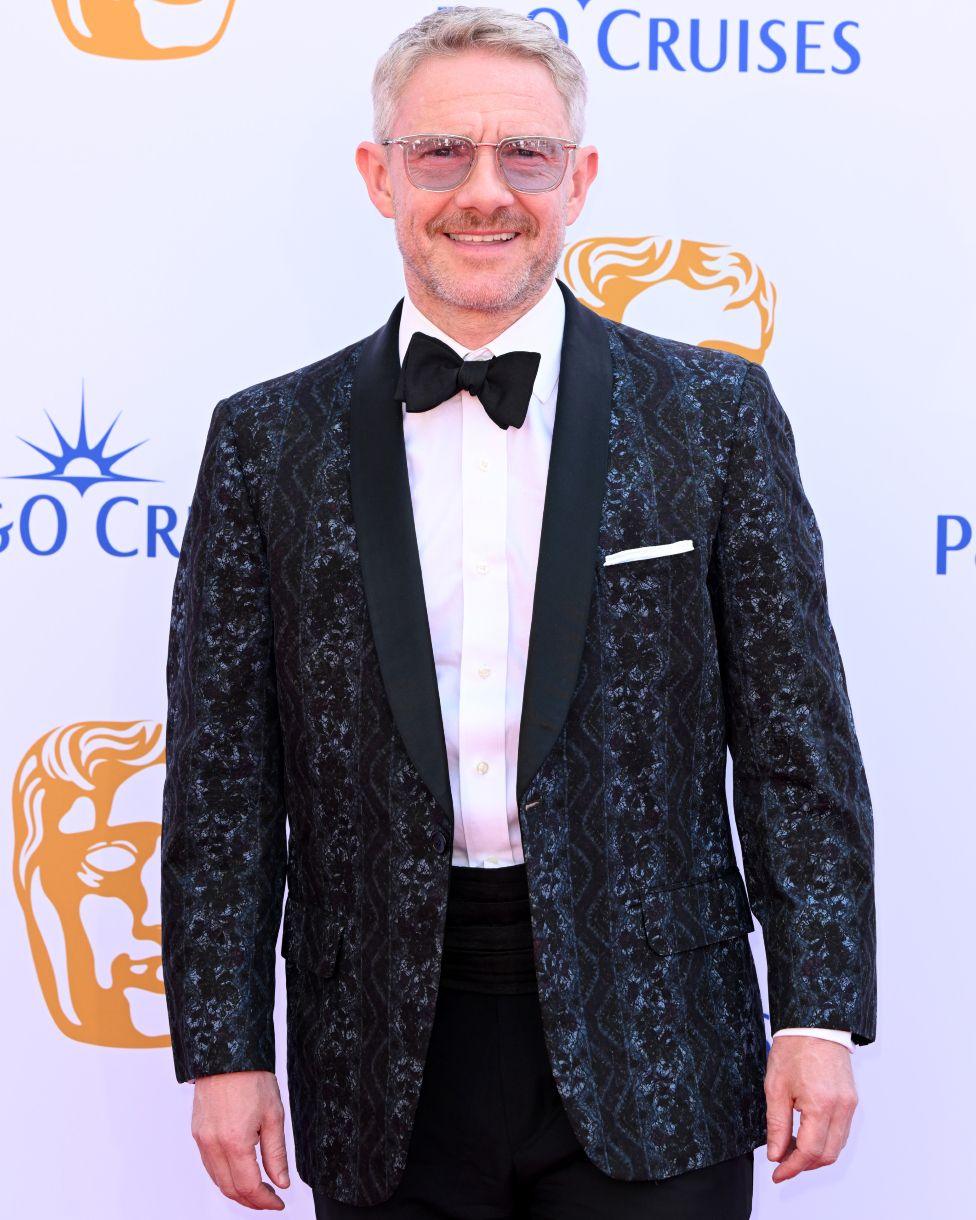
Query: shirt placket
484,634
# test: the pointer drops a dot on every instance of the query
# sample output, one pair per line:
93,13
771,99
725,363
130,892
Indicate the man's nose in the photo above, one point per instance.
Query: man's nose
485,189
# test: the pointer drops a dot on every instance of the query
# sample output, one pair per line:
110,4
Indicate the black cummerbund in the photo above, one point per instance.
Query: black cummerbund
488,933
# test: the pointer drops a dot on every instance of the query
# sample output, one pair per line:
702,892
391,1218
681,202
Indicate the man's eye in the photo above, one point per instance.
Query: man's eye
436,152
525,152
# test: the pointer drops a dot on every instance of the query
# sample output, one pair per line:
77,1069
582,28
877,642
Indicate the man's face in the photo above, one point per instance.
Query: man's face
484,96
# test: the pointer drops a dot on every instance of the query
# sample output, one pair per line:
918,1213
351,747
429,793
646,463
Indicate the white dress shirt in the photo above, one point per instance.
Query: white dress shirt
469,479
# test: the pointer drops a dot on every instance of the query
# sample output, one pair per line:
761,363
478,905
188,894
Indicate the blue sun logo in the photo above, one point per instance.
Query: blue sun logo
80,463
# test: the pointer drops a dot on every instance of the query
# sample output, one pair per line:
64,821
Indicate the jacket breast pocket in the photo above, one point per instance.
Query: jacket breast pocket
311,935
653,550
698,913
651,601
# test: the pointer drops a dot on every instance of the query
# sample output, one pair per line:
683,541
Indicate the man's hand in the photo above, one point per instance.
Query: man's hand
231,1112
814,1076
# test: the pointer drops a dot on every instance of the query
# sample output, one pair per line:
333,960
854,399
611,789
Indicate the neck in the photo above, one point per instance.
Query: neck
473,328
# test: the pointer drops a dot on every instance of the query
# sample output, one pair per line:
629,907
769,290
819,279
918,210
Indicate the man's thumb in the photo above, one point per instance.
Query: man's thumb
274,1155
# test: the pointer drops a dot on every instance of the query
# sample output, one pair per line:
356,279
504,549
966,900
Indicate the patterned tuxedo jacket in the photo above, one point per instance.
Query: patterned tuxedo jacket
302,693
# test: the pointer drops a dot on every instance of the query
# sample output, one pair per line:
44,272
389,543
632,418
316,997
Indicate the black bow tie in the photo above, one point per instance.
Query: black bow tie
432,372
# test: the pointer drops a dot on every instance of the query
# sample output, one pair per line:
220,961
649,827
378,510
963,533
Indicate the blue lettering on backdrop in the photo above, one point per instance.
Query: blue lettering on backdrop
768,41
852,51
61,520
603,38
656,43
154,530
101,523
695,52
943,547
802,46
676,44
32,528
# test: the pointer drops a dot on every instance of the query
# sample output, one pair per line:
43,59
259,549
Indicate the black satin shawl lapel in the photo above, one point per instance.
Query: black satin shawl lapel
568,547
390,557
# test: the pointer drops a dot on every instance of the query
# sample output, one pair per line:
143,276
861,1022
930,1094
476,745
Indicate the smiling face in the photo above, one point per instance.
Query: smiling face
486,96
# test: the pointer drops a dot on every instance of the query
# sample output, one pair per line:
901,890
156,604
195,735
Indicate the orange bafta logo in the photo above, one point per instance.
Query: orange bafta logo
707,294
144,29
86,801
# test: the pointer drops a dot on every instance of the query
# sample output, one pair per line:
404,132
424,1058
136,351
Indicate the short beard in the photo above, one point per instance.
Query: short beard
508,295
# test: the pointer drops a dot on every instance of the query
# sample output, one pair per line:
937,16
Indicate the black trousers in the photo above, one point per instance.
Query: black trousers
491,1140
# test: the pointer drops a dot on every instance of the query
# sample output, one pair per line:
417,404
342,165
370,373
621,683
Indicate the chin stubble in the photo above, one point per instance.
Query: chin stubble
455,290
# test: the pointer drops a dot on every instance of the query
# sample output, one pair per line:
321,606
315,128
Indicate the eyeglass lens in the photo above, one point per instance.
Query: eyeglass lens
440,163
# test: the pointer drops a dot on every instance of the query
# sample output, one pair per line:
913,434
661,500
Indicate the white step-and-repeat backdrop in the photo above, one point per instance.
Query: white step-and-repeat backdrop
182,217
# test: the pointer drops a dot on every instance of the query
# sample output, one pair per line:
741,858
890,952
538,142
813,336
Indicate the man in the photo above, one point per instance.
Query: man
477,605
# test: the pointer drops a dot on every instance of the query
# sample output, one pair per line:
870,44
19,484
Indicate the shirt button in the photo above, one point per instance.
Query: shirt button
482,767
484,671
481,568
491,859
483,464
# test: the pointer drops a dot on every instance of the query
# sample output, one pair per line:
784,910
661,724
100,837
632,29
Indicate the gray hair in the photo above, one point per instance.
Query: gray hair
462,28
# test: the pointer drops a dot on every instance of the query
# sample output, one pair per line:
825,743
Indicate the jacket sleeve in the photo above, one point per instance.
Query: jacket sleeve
799,790
223,841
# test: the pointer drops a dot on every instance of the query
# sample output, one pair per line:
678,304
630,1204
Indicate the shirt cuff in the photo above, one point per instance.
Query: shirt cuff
843,1036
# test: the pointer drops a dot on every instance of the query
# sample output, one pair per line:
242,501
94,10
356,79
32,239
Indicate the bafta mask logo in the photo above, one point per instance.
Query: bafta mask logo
86,802
706,294
144,29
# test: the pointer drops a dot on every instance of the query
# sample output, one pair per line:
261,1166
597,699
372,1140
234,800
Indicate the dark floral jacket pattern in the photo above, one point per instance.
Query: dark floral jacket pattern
302,694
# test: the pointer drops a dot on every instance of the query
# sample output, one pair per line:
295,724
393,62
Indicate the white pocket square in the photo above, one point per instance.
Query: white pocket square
647,552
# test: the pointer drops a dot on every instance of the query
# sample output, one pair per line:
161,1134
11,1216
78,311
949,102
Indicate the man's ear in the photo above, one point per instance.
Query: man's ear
584,167
372,163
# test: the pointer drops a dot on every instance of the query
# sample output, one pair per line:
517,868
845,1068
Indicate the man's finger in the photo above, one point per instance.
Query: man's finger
251,1190
779,1123
839,1130
274,1154
206,1158
215,1160
810,1139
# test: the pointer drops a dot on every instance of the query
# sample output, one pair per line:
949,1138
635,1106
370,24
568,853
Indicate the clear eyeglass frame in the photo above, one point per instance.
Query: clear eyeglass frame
567,145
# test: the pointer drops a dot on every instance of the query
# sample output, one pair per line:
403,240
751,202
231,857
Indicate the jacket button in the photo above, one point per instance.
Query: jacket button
439,839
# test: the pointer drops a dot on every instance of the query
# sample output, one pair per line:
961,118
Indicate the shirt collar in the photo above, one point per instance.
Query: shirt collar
539,329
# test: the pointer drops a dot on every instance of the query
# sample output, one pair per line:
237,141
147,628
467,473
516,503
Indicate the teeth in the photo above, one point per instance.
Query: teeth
481,237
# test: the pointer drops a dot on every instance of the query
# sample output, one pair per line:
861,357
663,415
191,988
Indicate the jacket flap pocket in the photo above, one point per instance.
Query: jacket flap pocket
699,913
311,934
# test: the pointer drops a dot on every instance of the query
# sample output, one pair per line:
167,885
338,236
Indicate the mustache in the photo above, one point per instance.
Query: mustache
512,224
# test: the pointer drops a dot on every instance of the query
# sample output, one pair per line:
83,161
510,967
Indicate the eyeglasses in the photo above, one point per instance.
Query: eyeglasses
444,162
